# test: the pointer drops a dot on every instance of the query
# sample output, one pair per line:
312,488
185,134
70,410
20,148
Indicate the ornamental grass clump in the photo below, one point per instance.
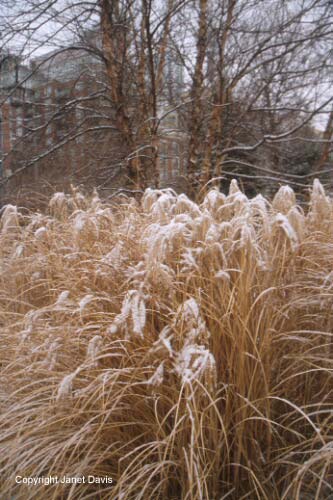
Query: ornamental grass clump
183,349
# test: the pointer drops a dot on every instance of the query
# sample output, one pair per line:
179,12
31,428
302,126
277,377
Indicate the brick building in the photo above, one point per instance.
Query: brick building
16,96
45,115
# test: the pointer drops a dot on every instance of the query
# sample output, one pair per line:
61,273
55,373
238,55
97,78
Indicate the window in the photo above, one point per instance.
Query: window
62,92
12,125
19,128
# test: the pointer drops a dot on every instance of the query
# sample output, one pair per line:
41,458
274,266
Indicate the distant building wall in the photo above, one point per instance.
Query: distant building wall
30,124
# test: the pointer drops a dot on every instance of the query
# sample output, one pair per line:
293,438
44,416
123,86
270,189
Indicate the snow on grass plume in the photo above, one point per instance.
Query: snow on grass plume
132,317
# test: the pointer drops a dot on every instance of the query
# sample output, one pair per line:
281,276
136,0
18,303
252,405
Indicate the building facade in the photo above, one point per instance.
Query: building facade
50,107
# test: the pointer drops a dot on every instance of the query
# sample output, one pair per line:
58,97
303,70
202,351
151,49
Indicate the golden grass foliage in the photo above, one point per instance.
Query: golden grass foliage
184,349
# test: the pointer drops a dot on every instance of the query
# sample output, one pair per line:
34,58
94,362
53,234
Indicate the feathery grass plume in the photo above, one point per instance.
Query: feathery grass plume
10,219
132,317
60,204
184,350
284,200
320,206
93,349
213,201
66,386
297,221
281,221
